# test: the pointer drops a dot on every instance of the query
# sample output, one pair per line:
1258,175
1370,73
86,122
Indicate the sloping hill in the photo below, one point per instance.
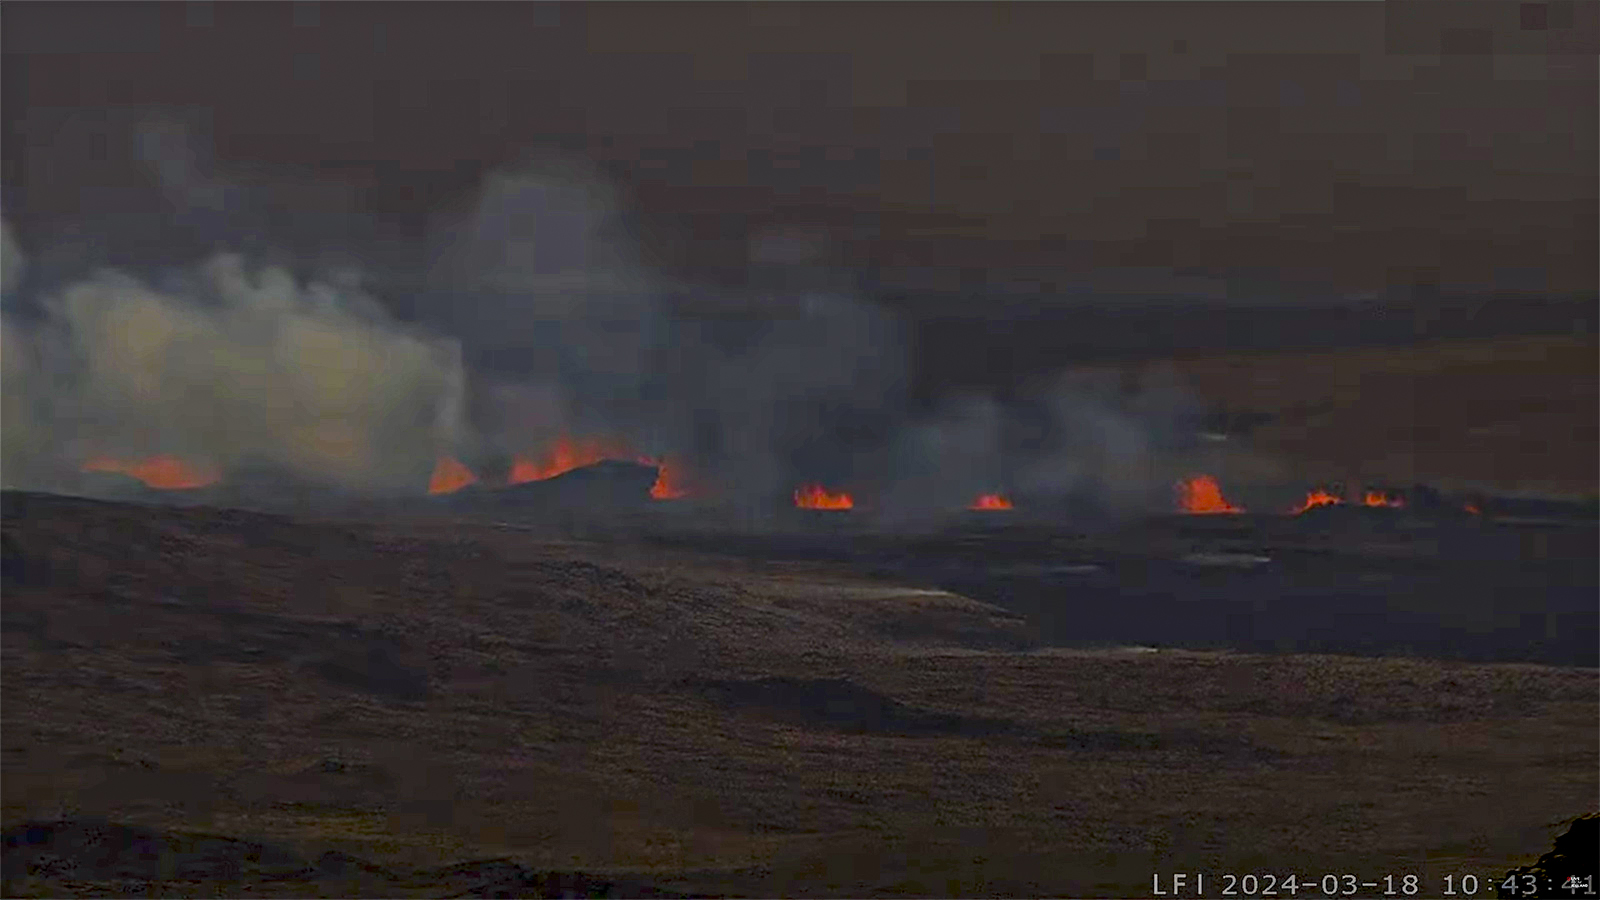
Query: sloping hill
407,696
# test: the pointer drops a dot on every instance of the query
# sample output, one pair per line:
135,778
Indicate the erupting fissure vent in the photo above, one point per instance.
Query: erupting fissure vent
449,476
161,472
815,496
669,479
1317,497
991,502
1324,497
568,453
565,455
1202,494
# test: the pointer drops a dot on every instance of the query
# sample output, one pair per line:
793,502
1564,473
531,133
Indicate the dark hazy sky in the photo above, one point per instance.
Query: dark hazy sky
1342,147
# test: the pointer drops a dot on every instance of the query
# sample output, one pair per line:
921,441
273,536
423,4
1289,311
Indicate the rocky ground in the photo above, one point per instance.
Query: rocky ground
202,701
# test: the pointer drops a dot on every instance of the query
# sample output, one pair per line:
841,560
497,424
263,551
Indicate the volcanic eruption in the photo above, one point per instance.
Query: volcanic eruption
611,349
449,476
991,502
1324,497
669,479
162,472
815,496
1202,494
568,453
1316,497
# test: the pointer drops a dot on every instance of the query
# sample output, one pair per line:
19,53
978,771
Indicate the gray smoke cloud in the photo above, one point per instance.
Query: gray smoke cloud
231,368
12,263
536,316
750,389
1092,443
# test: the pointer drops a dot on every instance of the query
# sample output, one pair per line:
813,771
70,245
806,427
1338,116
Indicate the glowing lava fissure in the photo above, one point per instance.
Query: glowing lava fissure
568,453
669,479
991,502
167,473
1324,497
1382,498
815,496
1317,497
1201,494
449,475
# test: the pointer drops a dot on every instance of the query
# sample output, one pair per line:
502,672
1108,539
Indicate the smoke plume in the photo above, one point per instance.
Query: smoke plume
233,368
531,314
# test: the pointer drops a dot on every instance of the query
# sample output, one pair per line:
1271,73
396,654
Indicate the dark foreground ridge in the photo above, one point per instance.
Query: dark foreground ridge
218,702
96,857
1570,869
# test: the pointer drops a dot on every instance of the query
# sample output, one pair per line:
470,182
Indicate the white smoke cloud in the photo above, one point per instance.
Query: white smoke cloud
250,368
235,367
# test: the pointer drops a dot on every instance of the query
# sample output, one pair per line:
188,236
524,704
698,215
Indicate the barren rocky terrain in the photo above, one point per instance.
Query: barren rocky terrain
200,700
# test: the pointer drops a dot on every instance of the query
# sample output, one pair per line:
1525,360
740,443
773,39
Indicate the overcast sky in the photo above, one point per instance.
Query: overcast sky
1320,148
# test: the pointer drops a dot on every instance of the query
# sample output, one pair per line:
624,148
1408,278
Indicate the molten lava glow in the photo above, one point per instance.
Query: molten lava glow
1318,497
669,479
565,455
449,476
1473,509
1380,498
991,501
815,496
1202,494
163,472
568,453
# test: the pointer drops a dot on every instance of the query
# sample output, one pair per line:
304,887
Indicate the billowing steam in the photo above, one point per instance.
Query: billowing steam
749,391
230,368
533,326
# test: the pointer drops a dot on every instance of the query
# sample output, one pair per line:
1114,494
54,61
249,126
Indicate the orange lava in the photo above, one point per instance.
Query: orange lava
991,501
565,455
669,479
1473,509
1382,498
1318,497
815,496
449,476
568,453
163,472
1202,494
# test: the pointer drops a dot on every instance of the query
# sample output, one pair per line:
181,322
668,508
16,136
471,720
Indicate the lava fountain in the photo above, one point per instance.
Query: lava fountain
991,502
566,454
449,476
167,473
1318,497
1382,498
815,496
1201,494
669,483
